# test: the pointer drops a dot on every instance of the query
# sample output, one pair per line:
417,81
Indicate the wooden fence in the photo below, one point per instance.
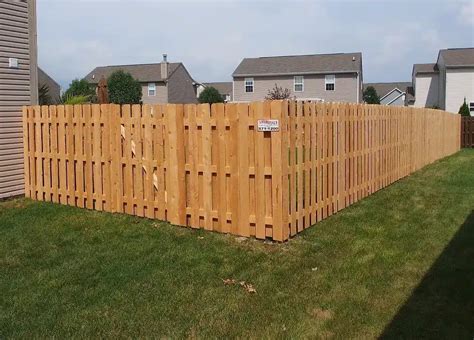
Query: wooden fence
467,132
210,167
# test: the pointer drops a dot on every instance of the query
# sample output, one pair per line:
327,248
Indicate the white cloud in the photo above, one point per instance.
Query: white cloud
467,13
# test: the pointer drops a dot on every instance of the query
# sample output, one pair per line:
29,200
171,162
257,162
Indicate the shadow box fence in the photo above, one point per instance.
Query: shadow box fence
467,132
262,169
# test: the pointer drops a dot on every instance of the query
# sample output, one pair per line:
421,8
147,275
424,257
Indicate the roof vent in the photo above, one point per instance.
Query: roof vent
353,58
93,76
165,58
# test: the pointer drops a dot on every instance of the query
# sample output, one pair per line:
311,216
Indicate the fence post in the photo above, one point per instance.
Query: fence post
176,170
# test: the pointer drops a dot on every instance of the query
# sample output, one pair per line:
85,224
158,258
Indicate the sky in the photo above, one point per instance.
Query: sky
212,37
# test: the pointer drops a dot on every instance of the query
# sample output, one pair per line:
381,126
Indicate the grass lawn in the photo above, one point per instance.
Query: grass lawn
397,264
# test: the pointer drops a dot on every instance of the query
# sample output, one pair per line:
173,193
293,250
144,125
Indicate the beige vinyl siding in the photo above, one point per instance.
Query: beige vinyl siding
459,86
17,40
346,88
426,90
160,97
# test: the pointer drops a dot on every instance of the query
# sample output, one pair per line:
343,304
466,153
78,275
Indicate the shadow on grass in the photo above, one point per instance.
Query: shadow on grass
442,306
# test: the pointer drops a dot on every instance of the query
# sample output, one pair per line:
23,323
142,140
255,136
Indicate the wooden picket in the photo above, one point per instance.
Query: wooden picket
209,167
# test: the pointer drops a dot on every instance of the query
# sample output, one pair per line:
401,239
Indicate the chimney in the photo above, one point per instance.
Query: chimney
164,67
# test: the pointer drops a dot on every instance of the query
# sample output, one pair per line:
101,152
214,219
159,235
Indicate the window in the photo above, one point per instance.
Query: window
151,89
299,84
330,82
248,85
471,108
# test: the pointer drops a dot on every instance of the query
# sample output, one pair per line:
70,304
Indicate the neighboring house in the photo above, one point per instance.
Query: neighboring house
161,82
54,90
224,89
393,94
18,87
327,77
446,83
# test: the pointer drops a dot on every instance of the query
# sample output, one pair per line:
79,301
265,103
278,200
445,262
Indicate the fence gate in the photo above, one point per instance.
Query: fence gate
467,132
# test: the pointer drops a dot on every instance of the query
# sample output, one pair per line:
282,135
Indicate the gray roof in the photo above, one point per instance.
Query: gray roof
425,68
222,87
385,88
300,64
141,72
458,57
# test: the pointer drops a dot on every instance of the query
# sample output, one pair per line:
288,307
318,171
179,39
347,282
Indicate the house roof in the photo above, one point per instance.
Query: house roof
141,72
458,57
425,68
385,88
300,64
222,87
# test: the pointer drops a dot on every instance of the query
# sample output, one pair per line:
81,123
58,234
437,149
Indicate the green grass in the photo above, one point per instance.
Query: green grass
397,264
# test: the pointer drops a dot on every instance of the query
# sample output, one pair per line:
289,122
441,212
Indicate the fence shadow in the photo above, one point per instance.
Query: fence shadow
442,306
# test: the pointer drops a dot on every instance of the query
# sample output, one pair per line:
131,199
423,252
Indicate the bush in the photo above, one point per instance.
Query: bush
123,88
210,95
278,93
79,88
370,96
464,109
73,100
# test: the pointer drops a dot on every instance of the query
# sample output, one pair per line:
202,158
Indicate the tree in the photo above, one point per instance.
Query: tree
464,109
44,98
79,88
123,88
210,95
370,96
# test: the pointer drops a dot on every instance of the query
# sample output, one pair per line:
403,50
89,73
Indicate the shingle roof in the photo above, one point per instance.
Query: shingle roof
458,57
141,72
222,87
385,88
425,68
301,64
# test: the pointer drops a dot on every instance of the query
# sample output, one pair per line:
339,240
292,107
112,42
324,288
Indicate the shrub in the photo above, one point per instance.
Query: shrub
278,93
79,88
464,109
73,100
123,88
210,95
44,98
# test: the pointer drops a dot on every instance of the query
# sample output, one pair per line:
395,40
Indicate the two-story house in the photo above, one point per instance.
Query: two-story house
446,83
324,77
163,82
18,87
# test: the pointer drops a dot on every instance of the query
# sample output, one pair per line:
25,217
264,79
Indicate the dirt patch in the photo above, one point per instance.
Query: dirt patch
321,314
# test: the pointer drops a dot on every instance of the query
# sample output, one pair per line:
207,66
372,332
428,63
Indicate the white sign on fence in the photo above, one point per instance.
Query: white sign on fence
272,125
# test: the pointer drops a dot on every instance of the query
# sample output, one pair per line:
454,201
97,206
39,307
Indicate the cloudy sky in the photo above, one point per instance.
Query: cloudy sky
211,37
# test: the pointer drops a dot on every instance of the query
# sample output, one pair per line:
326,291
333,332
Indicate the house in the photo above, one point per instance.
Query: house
393,94
163,82
446,83
224,89
18,87
54,90
326,77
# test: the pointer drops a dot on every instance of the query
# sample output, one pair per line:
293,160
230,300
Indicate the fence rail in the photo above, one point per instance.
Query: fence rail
209,167
467,132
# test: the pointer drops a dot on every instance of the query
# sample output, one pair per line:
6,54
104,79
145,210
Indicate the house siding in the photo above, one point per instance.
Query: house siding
426,90
161,96
459,85
181,89
346,89
18,87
